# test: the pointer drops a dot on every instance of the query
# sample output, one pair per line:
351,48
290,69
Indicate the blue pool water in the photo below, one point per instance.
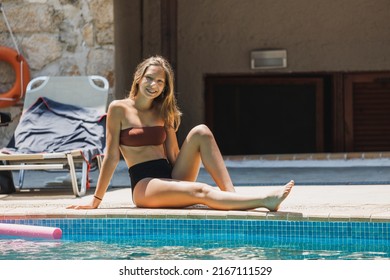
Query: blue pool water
123,238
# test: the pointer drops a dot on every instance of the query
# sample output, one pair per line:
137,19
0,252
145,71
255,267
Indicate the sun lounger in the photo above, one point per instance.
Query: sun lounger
62,128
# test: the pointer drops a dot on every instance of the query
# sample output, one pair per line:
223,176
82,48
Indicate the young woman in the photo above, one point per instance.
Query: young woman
143,129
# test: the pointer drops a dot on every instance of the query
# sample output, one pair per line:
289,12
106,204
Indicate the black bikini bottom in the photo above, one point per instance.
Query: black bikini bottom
159,168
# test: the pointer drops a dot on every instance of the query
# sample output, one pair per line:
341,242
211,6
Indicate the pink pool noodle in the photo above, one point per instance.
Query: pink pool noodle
30,231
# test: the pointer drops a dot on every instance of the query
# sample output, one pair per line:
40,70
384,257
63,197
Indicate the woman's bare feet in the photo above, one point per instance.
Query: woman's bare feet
273,200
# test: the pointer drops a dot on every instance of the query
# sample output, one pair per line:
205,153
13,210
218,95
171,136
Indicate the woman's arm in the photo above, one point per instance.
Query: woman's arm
171,146
111,156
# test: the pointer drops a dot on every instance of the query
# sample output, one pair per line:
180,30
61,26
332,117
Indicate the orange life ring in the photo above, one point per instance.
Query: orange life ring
22,76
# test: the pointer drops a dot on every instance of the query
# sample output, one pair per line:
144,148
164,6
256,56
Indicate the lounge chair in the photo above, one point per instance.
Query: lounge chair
62,127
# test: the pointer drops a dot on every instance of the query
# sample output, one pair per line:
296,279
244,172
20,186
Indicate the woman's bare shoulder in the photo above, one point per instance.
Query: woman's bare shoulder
120,105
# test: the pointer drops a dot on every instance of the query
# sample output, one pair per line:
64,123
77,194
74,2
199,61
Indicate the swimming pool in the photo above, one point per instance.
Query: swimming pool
139,238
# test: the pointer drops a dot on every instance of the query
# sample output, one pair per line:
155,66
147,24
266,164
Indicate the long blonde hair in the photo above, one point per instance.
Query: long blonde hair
169,110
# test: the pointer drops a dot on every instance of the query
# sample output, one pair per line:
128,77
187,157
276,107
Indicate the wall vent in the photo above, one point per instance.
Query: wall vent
268,59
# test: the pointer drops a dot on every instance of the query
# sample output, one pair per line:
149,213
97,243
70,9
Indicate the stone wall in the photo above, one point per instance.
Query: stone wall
57,38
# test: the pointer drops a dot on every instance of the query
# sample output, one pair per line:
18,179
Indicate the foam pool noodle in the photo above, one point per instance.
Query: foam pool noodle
30,231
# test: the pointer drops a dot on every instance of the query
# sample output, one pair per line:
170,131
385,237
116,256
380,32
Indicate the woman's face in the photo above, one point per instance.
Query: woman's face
153,82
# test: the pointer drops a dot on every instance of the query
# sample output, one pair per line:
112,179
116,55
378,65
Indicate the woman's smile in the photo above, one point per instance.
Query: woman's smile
151,91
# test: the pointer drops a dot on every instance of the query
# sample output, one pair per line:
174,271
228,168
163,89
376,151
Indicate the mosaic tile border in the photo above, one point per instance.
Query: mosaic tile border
244,231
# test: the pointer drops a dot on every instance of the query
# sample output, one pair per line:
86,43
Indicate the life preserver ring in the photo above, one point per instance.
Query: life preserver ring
22,76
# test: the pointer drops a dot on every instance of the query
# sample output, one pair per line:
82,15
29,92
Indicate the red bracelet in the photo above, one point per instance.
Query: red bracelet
97,197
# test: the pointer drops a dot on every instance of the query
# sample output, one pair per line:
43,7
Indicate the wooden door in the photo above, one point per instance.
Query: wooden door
367,112
266,115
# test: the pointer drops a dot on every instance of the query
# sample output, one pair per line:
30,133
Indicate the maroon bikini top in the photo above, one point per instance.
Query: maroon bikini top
143,136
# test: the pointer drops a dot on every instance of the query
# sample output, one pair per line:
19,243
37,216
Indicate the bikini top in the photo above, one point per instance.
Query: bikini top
143,136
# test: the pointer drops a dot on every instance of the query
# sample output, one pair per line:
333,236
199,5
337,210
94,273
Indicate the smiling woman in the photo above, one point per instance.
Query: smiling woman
142,128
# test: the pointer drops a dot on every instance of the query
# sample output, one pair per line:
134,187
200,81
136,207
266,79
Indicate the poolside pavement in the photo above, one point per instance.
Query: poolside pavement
349,188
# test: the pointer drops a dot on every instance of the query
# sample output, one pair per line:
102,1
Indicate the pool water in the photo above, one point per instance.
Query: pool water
168,239
20,249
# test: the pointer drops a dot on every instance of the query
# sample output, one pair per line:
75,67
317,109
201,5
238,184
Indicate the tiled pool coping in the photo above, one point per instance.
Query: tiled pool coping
195,213
310,156
305,203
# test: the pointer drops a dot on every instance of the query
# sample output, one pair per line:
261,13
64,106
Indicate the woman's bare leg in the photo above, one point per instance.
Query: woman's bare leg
160,193
200,146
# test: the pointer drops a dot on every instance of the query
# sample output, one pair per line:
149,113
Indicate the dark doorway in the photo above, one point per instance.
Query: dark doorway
265,115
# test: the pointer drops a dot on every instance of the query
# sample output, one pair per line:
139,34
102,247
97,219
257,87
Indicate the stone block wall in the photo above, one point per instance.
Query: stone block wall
57,38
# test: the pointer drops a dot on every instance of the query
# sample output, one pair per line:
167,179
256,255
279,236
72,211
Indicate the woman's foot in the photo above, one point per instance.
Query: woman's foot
273,200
